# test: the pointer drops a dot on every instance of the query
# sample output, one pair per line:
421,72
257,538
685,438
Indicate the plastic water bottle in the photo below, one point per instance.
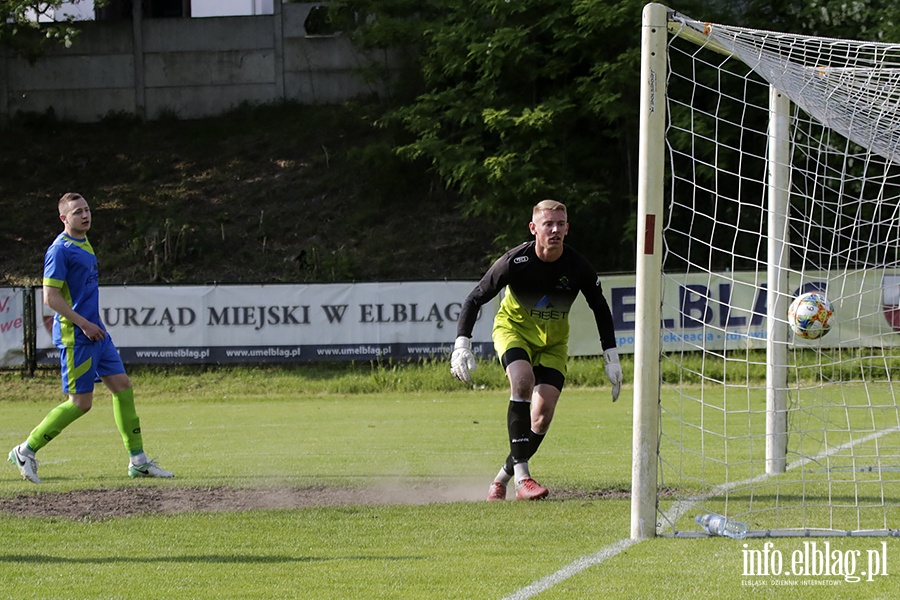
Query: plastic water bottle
714,524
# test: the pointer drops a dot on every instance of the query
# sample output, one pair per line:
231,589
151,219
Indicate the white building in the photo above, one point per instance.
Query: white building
83,10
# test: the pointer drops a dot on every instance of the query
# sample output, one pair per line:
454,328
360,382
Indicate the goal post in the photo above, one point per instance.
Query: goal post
779,173
648,271
769,165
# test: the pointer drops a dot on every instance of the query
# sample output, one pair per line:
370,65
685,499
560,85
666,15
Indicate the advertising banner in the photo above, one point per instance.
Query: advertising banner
367,321
282,323
12,353
727,311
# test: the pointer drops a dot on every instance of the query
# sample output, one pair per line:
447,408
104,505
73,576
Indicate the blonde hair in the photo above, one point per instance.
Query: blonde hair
66,198
548,205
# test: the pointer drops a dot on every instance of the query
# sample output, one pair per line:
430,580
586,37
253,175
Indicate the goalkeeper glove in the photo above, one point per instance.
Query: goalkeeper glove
613,371
462,361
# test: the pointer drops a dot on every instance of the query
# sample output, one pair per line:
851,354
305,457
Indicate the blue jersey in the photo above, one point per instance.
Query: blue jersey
71,266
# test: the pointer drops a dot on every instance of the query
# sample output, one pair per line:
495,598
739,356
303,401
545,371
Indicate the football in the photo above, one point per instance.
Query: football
810,315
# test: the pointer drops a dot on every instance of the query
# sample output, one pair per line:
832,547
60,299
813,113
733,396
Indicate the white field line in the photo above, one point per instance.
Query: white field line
571,569
677,510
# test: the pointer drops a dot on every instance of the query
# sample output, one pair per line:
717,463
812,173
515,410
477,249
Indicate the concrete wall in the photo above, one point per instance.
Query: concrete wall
192,68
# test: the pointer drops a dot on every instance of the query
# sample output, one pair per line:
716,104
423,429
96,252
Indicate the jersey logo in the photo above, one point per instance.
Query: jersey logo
544,311
520,259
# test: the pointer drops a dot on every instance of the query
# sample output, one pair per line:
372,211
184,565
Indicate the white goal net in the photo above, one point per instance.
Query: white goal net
770,166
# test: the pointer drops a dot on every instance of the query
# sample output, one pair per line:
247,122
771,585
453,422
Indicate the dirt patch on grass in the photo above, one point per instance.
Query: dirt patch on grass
122,502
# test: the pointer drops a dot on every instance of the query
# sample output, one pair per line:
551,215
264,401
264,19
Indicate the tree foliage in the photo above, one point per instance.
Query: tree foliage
512,101
519,101
28,29
872,20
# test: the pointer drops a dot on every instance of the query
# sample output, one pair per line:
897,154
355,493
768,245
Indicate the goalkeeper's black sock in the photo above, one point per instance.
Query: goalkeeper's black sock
518,425
520,468
536,439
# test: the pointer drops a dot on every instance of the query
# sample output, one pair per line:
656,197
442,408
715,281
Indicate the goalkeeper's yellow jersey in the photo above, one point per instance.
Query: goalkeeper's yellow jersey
539,296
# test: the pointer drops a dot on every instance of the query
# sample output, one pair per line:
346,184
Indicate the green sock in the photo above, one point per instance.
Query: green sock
56,420
127,421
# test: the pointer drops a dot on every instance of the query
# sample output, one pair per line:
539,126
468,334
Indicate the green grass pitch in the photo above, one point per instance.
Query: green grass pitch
426,456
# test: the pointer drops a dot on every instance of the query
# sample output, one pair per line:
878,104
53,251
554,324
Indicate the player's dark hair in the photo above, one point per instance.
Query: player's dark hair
66,198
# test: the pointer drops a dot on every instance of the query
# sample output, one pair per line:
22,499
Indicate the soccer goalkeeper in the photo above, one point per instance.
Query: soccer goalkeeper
531,333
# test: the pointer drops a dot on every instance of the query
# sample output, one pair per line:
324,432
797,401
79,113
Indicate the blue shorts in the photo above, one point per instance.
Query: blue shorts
84,365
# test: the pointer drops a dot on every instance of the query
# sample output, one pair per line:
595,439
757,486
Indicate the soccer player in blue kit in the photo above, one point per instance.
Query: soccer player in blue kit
86,351
542,279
